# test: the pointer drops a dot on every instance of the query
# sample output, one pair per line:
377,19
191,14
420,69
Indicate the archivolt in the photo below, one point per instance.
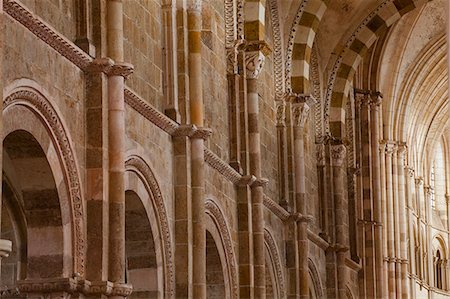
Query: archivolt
32,99
315,278
213,210
276,261
141,168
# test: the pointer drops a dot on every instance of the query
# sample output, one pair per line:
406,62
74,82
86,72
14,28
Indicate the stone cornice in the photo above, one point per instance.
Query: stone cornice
74,285
276,208
47,34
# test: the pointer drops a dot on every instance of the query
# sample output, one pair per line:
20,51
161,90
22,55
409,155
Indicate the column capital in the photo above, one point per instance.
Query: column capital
109,67
338,153
391,146
418,180
300,112
255,56
376,99
232,56
281,113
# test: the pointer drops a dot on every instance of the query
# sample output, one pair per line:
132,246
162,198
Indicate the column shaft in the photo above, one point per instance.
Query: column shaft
338,153
257,190
197,149
300,115
376,193
402,221
390,221
116,145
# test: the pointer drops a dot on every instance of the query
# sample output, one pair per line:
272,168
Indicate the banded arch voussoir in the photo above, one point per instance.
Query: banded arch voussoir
301,40
386,14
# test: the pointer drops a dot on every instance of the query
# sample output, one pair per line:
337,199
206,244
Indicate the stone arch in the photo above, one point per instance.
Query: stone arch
277,49
31,99
254,24
217,227
315,279
300,44
359,43
154,205
275,263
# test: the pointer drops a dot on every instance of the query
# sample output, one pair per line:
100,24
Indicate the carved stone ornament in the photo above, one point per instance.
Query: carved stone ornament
39,104
281,113
121,69
275,257
300,114
136,163
338,153
254,62
214,211
376,99
390,148
232,56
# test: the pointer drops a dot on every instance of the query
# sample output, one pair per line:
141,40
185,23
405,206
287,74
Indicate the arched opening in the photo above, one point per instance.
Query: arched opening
32,217
438,269
215,280
141,259
271,291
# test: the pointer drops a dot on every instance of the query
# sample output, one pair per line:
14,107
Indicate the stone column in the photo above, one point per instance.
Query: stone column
402,220
254,61
116,143
376,192
367,222
194,25
338,154
410,216
390,147
382,151
300,111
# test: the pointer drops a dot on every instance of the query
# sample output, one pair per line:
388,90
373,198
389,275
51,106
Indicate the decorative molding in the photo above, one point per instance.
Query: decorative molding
230,17
218,217
273,252
277,49
318,240
141,168
222,167
47,34
39,104
201,133
275,208
149,112
240,18
261,182
317,285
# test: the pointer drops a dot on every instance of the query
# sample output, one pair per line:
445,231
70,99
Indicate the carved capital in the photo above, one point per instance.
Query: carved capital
201,133
300,113
254,62
246,180
281,113
320,155
194,6
261,182
338,153
121,69
390,148
232,56
100,65
376,99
